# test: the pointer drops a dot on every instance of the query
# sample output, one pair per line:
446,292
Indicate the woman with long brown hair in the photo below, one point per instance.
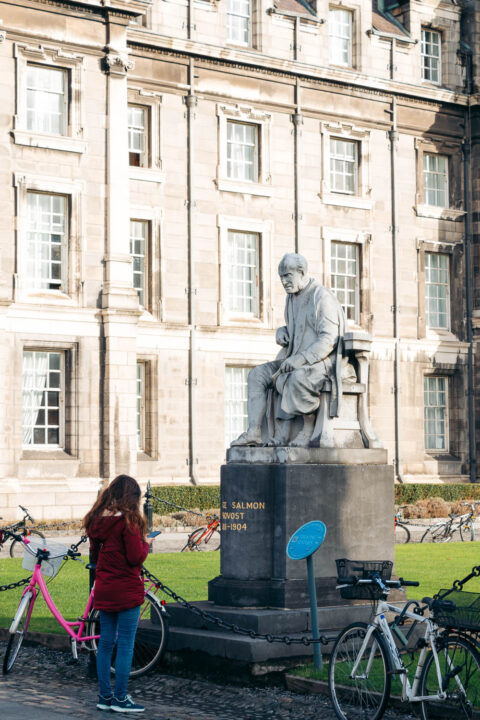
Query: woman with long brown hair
116,529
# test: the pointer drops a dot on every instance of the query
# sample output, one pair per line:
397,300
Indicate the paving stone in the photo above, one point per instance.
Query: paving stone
42,681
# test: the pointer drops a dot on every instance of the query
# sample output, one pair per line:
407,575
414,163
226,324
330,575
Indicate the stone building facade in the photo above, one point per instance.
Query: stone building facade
158,157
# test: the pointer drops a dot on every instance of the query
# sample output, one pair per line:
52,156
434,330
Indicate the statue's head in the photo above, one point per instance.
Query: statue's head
293,272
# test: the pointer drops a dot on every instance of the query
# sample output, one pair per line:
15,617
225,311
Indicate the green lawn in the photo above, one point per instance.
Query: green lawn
187,574
434,566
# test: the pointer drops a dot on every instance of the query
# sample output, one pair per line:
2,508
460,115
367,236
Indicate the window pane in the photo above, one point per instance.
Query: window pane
435,180
435,413
236,414
242,278
42,398
437,290
141,411
138,135
46,99
46,241
242,151
345,278
138,251
340,24
239,22
431,55
343,166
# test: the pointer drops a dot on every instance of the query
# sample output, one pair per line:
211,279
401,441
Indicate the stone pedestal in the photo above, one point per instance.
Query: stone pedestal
264,500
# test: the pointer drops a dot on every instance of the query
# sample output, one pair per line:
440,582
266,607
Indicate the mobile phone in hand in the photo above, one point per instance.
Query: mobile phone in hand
153,534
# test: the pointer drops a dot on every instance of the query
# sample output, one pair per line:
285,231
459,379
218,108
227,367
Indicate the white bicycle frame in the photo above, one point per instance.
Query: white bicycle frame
409,691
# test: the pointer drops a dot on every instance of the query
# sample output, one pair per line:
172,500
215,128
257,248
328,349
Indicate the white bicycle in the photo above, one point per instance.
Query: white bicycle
446,682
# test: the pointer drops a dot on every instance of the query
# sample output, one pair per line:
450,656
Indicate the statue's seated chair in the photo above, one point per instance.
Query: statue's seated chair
351,429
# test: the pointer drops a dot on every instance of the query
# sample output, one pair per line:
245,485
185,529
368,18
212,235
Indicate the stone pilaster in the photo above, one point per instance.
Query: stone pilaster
119,299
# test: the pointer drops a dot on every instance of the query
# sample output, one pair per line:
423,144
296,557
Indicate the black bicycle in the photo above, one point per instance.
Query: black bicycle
20,528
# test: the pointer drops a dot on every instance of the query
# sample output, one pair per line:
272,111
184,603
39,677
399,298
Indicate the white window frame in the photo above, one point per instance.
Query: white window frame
74,65
424,55
350,39
233,237
446,449
141,407
65,93
256,151
155,298
345,161
75,259
143,132
264,230
428,285
35,249
426,172
145,290
152,101
46,447
230,433
249,20
343,131
352,237
263,121
356,277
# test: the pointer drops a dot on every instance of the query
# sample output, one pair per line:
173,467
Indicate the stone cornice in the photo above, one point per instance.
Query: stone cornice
124,10
144,41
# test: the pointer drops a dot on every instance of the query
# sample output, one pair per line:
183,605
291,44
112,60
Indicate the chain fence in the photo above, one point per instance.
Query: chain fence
199,612
210,617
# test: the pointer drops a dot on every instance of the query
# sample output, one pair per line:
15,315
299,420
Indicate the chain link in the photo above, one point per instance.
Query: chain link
286,639
18,584
458,584
179,507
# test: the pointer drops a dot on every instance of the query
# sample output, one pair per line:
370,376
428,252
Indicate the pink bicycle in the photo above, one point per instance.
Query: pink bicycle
45,559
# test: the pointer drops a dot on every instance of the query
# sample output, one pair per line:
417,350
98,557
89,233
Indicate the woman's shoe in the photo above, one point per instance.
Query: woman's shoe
126,705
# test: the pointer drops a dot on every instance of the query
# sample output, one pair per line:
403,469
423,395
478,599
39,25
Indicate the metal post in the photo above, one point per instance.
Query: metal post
312,591
148,510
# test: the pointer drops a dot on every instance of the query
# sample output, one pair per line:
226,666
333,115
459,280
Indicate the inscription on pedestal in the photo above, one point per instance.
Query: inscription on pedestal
237,514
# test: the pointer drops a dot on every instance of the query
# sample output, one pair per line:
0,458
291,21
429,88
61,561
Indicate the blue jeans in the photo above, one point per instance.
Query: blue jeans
120,628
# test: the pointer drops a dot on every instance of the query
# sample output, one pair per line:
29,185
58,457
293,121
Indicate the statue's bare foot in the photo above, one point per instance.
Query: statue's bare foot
301,440
276,442
248,438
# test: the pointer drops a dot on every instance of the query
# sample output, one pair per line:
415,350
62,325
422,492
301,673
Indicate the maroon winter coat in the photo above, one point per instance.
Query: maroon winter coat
119,553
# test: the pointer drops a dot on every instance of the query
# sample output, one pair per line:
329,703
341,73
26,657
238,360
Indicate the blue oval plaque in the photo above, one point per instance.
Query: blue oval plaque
306,540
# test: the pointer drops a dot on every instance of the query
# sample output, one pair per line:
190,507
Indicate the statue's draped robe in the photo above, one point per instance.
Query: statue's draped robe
315,326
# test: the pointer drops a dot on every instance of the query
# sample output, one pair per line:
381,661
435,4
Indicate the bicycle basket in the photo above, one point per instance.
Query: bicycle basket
363,569
51,566
466,615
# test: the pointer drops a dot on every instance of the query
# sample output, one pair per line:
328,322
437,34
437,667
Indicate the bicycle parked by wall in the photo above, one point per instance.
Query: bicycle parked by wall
365,657
402,533
203,535
46,559
20,528
457,527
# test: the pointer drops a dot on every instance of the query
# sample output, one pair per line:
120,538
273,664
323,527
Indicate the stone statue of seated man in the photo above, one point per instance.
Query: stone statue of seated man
311,354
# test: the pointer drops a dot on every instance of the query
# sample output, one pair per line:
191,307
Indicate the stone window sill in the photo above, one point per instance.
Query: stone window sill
51,142
146,174
351,201
43,297
46,454
245,187
438,213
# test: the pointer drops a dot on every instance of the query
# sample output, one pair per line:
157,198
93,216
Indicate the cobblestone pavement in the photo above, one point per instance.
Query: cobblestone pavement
42,684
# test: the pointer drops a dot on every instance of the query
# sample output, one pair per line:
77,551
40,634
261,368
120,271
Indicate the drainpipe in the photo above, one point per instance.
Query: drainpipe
191,101
466,147
297,119
395,308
